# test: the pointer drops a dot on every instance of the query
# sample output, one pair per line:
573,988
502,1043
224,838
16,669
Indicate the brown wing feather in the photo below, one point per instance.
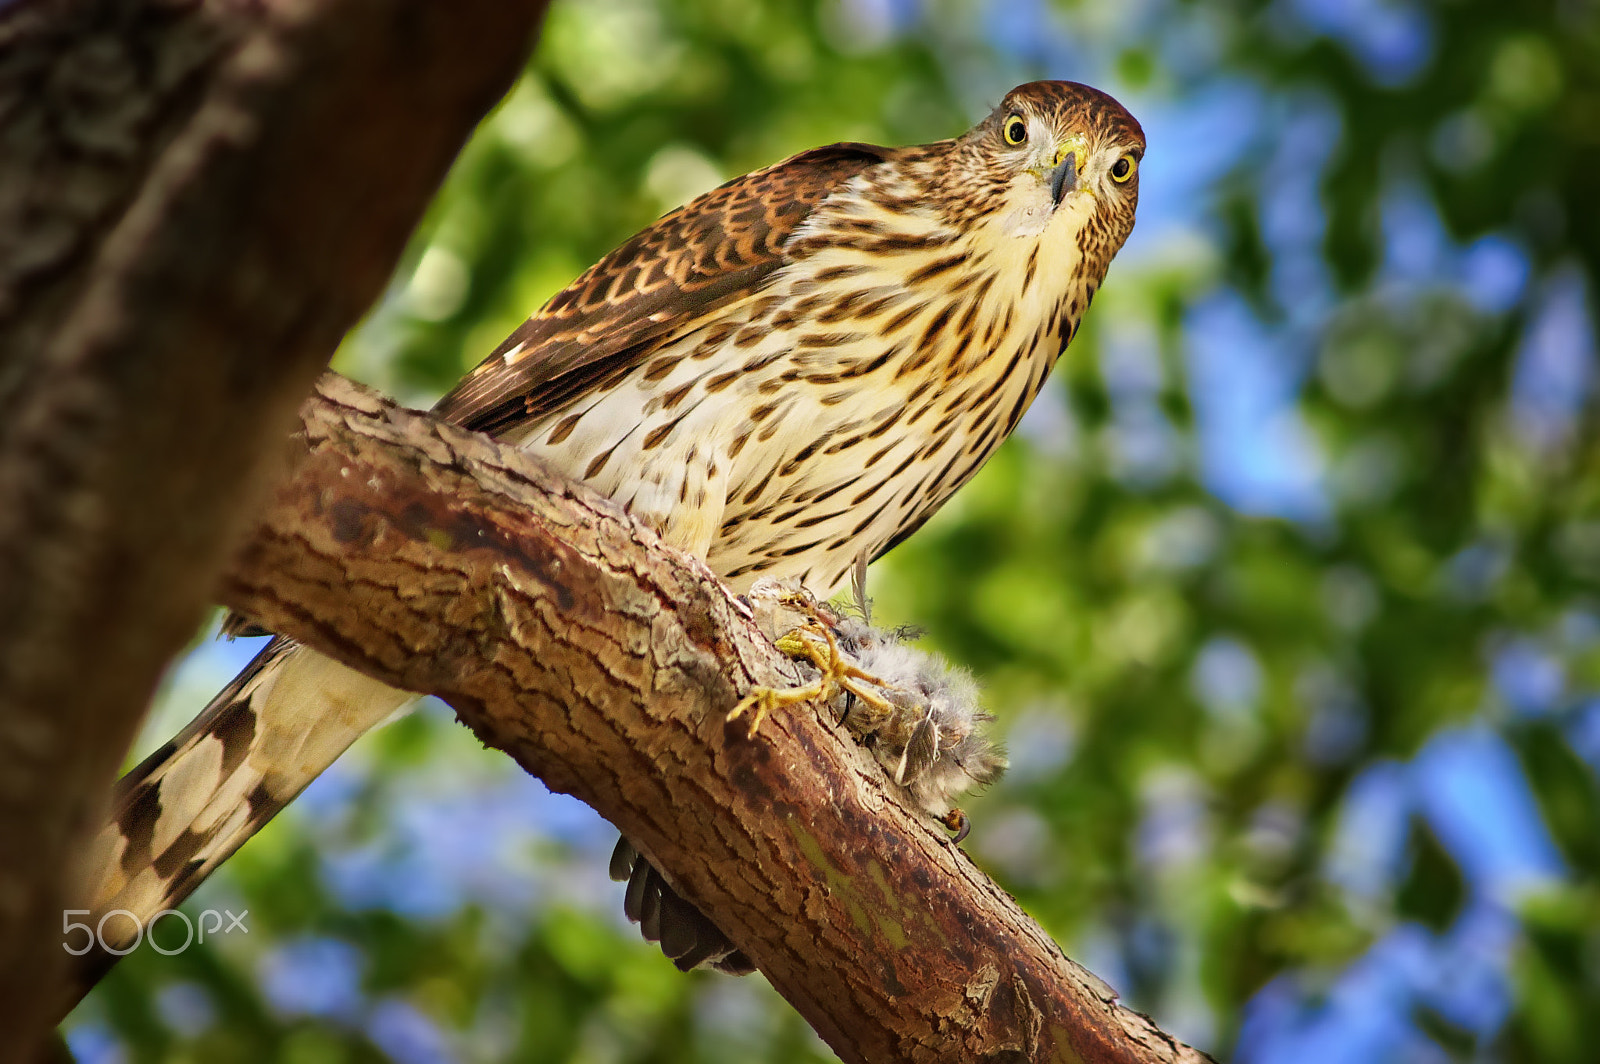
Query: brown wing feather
706,254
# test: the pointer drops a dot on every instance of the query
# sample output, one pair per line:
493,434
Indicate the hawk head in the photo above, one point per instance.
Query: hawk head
1059,161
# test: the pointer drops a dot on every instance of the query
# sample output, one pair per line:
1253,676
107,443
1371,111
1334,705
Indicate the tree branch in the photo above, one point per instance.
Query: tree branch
568,636
179,255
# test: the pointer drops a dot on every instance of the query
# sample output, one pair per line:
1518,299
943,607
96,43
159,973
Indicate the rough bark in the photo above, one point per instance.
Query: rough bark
568,636
196,200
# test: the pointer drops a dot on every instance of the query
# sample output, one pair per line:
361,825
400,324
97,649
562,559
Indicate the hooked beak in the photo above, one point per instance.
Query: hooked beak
1065,173
1064,178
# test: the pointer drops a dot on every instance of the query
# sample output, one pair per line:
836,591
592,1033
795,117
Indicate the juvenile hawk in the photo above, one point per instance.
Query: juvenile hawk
793,369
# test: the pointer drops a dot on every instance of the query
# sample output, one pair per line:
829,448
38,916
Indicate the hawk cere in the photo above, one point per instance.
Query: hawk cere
790,372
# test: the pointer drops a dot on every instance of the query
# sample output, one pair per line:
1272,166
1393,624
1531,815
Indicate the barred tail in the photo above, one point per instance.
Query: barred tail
687,936
282,721
189,805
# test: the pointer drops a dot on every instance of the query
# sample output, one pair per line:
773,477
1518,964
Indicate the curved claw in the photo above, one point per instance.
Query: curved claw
958,822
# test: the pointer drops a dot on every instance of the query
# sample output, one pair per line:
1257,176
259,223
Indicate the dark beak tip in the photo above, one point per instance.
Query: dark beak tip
1064,179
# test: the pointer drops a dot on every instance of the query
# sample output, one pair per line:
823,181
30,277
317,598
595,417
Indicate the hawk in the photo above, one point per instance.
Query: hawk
793,370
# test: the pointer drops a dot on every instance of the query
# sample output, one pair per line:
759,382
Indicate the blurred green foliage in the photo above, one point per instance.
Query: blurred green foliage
1285,595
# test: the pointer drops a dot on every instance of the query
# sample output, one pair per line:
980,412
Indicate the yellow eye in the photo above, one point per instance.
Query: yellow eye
1016,130
1124,168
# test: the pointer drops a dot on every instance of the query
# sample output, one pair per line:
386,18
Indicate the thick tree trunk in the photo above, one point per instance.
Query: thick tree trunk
197,199
605,663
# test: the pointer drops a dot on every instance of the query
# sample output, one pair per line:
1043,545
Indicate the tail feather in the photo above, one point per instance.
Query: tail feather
687,936
188,806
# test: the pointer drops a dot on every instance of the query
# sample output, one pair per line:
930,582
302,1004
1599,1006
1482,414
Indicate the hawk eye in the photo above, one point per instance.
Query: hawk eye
1123,168
1016,130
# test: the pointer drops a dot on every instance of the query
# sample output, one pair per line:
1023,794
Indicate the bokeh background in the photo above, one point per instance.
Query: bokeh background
1285,595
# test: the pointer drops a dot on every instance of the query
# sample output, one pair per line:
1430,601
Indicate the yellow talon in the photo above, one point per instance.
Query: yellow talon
766,699
837,673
